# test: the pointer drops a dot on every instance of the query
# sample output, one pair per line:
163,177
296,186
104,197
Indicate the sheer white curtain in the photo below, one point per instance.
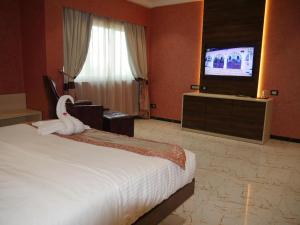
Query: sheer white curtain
106,78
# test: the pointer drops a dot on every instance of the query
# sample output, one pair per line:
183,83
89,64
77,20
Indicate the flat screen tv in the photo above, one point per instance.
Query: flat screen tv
229,62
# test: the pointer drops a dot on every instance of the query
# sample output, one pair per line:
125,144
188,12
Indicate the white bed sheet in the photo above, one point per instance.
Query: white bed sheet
48,180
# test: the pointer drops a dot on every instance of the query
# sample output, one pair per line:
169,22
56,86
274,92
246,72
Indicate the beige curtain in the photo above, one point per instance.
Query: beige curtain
77,32
106,78
137,55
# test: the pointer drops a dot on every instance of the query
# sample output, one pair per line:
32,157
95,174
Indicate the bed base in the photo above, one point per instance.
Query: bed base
161,211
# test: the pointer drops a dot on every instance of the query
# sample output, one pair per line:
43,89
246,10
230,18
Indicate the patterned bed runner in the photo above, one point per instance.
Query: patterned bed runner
167,151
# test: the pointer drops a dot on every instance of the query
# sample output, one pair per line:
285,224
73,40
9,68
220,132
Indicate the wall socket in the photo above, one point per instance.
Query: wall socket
274,92
195,87
153,106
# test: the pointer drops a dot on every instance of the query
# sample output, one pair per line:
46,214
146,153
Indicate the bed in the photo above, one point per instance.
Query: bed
52,180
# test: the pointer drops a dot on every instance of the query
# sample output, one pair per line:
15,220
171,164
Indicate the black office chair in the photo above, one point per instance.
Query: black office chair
84,110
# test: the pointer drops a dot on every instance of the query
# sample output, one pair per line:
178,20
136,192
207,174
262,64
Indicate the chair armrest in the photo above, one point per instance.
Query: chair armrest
91,115
83,102
79,102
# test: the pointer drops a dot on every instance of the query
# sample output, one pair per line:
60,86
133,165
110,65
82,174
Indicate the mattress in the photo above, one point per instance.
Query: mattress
51,180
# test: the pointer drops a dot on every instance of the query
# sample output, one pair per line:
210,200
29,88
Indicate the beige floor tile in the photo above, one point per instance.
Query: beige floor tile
237,183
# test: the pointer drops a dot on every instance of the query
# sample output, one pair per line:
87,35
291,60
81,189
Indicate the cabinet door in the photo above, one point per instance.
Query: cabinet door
218,115
193,112
248,119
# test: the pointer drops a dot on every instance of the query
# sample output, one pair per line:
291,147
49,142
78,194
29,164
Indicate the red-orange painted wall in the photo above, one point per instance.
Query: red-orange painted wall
11,70
34,61
42,38
117,9
281,66
174,56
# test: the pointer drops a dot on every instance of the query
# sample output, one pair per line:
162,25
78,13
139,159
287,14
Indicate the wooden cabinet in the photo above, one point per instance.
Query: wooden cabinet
194,113
119,123
231,116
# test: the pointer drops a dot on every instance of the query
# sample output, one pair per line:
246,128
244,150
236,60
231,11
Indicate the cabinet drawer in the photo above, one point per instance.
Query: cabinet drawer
247,130
216,107
193,104
248,119
193,112
249,111
218,115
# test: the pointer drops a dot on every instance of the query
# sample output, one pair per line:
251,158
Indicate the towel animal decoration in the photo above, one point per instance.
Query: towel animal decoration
65,124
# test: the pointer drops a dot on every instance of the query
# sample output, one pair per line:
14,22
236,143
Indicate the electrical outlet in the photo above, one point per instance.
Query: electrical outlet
153,106
195,87
274,92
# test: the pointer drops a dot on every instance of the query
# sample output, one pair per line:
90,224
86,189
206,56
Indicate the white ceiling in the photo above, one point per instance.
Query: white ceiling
156,3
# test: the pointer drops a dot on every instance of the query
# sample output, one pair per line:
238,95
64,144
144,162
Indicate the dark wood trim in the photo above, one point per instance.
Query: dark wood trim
281,138
165,119
161,211
232,23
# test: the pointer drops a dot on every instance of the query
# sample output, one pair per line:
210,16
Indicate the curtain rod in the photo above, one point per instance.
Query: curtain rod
107,17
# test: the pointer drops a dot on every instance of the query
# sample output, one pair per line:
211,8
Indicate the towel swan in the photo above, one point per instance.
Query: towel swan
65,124
71,124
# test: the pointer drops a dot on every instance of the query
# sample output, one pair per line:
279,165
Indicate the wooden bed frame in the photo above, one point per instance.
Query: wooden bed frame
161,211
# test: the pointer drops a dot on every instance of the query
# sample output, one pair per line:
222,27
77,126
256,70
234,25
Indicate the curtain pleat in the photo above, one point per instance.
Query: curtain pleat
77,32
137,54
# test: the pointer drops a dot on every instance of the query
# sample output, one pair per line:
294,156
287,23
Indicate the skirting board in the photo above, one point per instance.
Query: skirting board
295,140
165,119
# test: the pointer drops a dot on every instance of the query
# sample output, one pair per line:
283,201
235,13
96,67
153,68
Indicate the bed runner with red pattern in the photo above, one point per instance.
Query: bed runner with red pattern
145,147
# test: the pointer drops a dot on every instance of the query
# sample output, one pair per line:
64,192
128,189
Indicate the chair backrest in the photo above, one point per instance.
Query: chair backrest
52,95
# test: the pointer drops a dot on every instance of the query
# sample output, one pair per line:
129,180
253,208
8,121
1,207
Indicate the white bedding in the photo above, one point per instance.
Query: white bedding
51,180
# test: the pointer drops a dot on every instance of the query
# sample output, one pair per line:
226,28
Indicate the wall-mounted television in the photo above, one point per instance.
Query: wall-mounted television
229,62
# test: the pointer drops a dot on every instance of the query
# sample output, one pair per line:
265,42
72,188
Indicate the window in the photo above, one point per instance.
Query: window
106,77
107,58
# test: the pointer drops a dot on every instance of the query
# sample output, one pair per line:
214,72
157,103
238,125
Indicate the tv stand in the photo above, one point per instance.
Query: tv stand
236,117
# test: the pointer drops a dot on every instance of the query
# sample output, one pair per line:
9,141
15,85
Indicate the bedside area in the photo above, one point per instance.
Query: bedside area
13,110
242,118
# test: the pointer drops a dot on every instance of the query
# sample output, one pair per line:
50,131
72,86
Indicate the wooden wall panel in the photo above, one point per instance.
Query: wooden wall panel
233,22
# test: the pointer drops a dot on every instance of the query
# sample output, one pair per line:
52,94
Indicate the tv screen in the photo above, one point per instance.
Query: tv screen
229,62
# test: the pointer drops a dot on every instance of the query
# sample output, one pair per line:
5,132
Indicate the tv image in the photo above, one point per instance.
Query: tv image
229,62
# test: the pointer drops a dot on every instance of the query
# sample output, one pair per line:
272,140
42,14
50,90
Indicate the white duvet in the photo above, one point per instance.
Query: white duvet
48,180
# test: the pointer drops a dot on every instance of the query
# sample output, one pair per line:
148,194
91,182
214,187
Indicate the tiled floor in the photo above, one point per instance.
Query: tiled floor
237,183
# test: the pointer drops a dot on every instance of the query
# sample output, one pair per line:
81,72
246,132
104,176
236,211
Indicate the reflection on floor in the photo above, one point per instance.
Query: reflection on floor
237,183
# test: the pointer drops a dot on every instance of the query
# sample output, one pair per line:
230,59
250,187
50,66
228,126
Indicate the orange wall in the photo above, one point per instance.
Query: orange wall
281,65
42,38
117,9
174,56
11,70
34,52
